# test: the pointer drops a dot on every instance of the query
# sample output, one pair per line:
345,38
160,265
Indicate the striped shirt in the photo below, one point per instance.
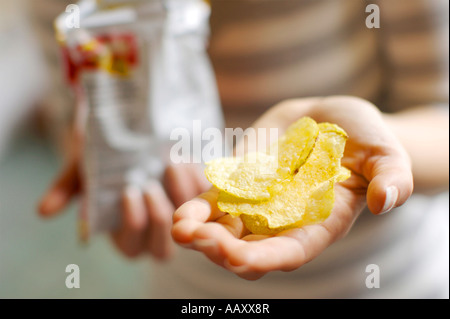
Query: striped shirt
265,51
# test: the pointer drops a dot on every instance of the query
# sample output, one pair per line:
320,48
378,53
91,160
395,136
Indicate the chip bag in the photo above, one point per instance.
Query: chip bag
140,69
286,189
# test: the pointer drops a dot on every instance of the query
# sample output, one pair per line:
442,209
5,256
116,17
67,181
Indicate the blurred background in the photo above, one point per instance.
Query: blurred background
35,112
34,253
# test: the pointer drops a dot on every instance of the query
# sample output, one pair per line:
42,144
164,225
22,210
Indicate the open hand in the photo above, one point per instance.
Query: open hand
381,178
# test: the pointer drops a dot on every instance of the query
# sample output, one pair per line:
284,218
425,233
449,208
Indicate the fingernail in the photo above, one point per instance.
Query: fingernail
391,199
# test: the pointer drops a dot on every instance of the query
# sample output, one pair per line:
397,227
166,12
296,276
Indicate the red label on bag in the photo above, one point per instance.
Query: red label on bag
114,53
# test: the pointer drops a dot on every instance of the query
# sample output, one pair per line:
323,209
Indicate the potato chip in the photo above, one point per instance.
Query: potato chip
294,147
246,177
306,198
317,209
251,176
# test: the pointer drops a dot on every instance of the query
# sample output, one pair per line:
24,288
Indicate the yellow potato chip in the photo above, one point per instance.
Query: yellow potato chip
297,143
306,198
246,177
318,207
251,176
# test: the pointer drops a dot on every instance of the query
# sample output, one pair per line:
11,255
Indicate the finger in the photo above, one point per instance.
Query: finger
65,187
198,176
254,237
211,238
247,259
182,183
210,249
130,236
234,225
177,181
391,181
256,255
203,208
160,210
193,214
250,259
209,244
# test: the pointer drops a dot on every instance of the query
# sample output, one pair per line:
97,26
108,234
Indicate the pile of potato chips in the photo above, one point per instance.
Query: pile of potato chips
290,185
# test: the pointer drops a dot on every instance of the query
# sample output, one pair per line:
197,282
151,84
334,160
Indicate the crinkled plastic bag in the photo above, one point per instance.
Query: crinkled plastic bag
140,70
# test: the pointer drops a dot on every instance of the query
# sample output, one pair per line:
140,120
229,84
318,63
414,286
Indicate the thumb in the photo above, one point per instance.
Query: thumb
63,189
391,181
